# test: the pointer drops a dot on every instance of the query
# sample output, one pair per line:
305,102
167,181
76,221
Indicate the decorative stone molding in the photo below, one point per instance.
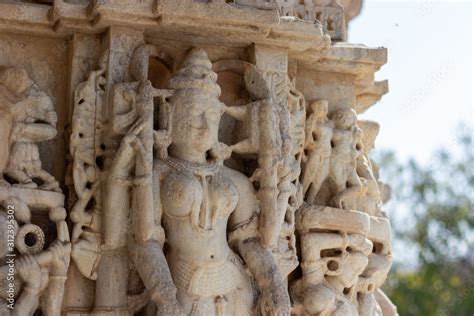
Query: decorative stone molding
216,162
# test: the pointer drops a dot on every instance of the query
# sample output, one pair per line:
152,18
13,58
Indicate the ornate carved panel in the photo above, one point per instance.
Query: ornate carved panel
217,162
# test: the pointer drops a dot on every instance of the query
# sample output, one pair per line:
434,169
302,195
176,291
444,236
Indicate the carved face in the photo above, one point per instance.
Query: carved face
356,259
16,80
195,121
320,108
354,265
344,119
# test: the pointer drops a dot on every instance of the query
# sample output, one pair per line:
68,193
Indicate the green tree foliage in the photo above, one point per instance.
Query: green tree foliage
438,199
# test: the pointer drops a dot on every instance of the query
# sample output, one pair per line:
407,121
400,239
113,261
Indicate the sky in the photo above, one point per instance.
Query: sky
429,70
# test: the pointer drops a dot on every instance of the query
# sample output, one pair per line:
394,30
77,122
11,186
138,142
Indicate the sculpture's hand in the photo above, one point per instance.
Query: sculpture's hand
165,300
169,308
61,252
29,271
338,201
275,301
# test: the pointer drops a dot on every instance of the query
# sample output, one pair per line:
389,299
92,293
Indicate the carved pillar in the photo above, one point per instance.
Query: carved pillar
84,54
111,291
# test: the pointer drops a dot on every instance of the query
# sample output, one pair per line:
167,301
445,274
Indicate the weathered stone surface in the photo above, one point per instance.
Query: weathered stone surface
189,157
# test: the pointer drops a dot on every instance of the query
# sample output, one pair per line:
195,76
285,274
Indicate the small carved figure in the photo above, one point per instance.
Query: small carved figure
370,201
343,184
30,118
319,131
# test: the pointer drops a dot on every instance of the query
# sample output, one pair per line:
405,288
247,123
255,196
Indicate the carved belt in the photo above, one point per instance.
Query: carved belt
209,280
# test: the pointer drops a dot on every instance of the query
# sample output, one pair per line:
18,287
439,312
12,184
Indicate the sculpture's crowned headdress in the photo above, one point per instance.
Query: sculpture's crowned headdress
195,77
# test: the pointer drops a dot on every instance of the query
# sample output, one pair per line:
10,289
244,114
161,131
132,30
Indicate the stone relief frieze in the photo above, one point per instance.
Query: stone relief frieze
208,176
203,238
35,247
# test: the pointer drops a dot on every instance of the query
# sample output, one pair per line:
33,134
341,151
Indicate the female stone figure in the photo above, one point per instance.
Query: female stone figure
208,212
370,202
343,184
318,148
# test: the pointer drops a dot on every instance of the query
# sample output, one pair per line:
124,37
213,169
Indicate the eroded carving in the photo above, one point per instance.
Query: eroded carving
182,204
34,258
345,263
87,150
28,117
342,187
194,202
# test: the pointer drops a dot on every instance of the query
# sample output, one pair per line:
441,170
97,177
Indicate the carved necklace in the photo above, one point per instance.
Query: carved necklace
184,165
204,217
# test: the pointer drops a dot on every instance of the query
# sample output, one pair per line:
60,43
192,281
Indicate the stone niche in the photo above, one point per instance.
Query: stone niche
187,157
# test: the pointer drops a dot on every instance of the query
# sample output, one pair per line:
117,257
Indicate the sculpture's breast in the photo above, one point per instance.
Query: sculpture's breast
223,194
179,194
208,191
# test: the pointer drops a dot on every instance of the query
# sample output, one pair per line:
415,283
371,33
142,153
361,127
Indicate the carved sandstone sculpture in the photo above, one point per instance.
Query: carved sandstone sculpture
28,117
194,202
343,185
211,156
318,135
34,266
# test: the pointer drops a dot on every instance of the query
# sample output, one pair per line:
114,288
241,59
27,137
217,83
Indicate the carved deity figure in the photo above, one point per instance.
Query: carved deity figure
319,131
207,212
27,117
343,185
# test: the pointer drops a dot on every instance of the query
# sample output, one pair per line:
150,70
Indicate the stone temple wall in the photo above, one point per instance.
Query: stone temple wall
189,157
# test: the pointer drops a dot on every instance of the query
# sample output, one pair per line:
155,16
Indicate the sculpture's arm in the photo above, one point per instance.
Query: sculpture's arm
30,272
244,238
309,129
150,261
27,303
274,298
34,131
237,112
53,295
364,169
